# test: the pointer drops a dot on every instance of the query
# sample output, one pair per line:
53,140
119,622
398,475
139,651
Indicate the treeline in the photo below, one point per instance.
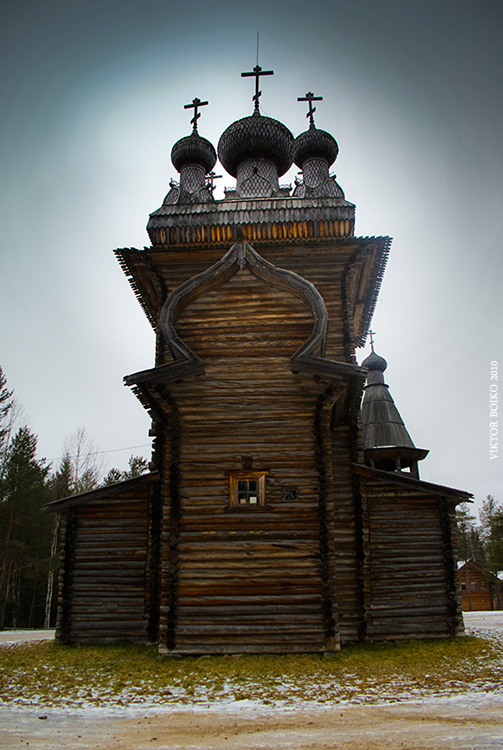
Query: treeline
481,541
28,533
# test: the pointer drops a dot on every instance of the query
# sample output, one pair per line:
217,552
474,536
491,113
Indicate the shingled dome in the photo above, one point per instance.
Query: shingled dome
314,143
387,444
375,362
193,150
256,137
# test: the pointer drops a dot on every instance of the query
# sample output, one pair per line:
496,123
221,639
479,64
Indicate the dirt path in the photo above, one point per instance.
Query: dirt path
445,725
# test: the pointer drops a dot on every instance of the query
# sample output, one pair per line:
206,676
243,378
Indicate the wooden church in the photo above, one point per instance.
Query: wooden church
278,515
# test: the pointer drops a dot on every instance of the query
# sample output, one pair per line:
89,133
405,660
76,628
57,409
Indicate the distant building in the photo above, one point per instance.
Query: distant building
273,519
480,589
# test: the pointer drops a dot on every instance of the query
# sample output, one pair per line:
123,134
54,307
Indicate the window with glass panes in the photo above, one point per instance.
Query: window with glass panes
247,492
247,488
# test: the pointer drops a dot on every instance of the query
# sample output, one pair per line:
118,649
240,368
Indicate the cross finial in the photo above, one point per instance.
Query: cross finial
310,97
257,72
210,177
196,103
372,334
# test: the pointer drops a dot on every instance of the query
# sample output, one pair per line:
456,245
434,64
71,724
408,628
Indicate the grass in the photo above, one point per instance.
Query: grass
48,674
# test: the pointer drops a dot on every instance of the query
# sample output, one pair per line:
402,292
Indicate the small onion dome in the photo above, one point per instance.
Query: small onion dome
315,143
193,150
259,137
375,362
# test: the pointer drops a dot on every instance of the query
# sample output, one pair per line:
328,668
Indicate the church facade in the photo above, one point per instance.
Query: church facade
277,516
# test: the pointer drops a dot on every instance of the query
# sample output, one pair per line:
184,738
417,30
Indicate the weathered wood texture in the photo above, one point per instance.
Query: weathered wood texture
247,578
338,552
410,581
106,593
347,274
347,536
224,234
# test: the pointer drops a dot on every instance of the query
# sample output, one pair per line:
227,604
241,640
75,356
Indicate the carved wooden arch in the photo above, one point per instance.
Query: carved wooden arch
242,254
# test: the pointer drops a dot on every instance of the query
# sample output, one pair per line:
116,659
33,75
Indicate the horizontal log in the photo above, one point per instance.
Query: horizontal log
411,629
279,647
108,581
207,548
258,601
243,615
101,632
124,565
96,597
250,629
245,587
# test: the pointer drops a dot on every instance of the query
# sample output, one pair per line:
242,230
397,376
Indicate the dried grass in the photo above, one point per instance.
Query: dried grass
48,674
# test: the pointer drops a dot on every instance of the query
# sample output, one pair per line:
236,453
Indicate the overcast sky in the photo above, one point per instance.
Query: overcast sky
92,97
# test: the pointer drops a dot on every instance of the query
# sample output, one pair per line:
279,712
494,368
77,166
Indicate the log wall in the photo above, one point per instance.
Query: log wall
326,269
409,569
105,589
347,536
337,553
248,579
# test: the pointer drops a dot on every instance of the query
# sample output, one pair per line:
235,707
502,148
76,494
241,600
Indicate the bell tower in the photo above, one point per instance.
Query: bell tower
386,442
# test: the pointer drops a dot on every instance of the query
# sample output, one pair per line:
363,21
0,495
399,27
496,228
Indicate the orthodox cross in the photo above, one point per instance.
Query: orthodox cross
372,334
257,72
310,97
210,177
196,103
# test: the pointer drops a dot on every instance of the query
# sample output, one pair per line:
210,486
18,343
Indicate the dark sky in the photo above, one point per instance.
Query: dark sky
92,100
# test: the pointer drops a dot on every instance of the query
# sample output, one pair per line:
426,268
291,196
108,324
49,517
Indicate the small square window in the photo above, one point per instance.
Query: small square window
463,587
246,488
247,492
473,586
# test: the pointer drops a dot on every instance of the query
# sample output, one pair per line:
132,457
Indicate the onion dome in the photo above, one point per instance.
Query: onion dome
193,150
314,151
375,362
256,137
315,144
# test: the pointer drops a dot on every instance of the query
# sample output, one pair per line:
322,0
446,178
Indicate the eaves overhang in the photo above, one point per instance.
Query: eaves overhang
409,482
367,258
273,220
101,493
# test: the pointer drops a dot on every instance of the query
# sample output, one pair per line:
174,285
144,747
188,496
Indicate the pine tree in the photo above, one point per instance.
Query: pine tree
24,533
6,404
6,422
470,544
137,466
491,518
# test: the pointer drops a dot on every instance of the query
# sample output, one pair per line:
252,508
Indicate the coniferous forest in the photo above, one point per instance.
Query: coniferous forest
28,532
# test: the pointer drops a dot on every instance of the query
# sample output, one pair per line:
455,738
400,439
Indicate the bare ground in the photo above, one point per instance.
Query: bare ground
409,726
470,721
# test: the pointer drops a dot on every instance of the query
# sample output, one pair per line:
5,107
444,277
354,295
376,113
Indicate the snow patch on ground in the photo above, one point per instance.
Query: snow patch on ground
8,637
321,693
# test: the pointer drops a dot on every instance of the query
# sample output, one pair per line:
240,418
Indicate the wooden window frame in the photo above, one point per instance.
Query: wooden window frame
235,477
